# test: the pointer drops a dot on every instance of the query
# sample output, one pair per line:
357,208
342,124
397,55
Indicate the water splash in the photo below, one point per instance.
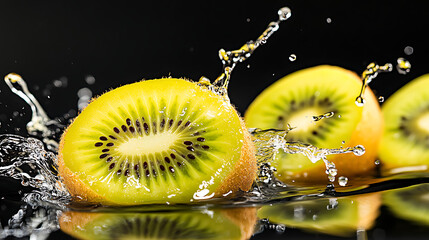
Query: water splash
403,66
322,116
368,75
40,125
27,160
269,142
231,58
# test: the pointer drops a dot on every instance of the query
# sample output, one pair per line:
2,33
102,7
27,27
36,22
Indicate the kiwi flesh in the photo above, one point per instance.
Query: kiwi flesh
213,224
334,216
156,141
410,203
405,142
299,98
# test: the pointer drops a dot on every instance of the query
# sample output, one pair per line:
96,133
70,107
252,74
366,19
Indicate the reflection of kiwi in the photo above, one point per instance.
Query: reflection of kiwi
340,217
211,224
297,98
156,141
405,142
411,203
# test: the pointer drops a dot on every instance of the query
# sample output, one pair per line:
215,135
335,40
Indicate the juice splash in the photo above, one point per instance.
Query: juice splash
231,58
403,66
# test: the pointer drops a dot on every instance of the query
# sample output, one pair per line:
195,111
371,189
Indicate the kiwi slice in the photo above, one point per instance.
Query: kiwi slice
410,203
213,224
334,216
156,141
405,142
299,99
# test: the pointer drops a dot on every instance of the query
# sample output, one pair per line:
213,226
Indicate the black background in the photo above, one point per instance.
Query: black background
123,42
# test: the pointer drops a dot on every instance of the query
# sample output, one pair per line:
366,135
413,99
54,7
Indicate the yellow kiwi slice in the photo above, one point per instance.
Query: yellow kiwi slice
299,98
156,141
212,224
405,142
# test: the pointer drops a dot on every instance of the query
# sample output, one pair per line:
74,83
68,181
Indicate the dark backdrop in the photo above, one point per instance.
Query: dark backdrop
124,42
58,45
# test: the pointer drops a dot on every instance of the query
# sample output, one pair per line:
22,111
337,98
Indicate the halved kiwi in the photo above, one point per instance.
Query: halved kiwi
299,98
211,224
334,216
405,142
411,203
156,141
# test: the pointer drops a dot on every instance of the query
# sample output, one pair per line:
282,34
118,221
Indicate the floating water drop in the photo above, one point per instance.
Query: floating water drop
381,99
292,57
342,181
328,20
408,50
89,79
403,66
284,13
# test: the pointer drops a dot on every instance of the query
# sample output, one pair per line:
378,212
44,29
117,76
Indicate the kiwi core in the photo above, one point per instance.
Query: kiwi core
423,122
143,145
303,120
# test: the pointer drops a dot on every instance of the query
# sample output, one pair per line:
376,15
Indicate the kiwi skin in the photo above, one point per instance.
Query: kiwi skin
239,179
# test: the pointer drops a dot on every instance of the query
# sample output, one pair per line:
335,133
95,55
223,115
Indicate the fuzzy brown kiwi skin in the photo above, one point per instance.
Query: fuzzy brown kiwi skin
240,178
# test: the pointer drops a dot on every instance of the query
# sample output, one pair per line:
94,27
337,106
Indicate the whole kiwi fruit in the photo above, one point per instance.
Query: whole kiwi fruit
405,142
319,104
156,141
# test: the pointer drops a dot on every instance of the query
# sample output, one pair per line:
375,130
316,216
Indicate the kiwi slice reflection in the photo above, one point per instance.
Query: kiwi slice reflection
411,203
209,224
334,216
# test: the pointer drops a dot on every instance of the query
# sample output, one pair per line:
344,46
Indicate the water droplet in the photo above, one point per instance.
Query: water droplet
328,20
408,50
84,92
359,150
377,162
248,20
342,181
381,99
292,57
89,79
360,101
284,13
403,66
248,65
280,228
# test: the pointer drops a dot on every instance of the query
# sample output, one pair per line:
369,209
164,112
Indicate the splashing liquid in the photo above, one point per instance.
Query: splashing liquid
368,75
231,58
402,66
40,125
269,142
